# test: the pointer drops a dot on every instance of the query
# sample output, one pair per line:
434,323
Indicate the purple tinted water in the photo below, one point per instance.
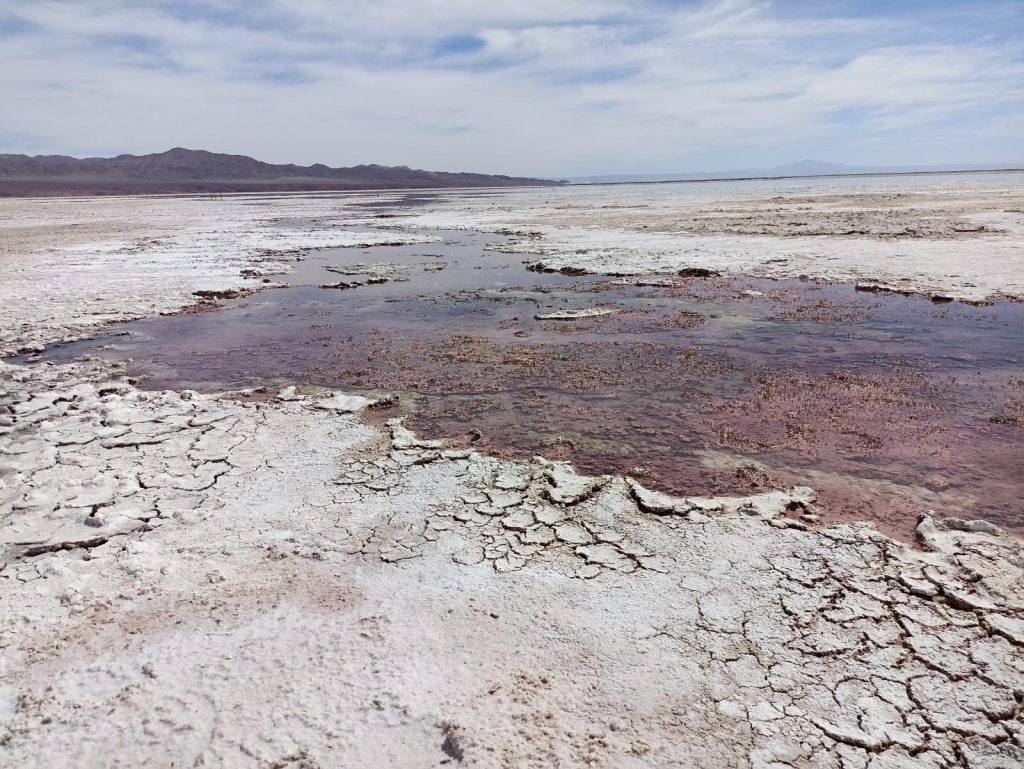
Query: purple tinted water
888,405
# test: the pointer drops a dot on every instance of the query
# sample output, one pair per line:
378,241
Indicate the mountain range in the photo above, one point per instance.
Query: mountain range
798,169
182,171
190,171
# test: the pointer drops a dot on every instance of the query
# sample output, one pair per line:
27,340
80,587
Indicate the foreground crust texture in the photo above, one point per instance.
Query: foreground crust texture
202,580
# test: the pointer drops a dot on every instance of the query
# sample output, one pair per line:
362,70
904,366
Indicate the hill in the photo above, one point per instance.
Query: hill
189,171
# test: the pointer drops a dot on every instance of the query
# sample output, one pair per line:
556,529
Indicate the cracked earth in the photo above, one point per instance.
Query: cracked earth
287,579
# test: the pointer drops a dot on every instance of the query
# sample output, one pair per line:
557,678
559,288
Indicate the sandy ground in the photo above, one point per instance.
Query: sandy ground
206,581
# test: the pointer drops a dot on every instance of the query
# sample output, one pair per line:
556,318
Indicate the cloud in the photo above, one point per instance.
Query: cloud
540,87
457,44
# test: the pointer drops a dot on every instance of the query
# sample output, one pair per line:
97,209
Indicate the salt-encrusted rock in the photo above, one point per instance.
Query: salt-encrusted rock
654,501
926,530
644,282
343,403
404,439
288,394
566,487
593,312
977,526
342,285
769,505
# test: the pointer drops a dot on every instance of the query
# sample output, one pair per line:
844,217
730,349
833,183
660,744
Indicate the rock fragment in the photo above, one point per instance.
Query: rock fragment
567,488
592,312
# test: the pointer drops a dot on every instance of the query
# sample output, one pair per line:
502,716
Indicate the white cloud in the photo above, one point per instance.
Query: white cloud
552,88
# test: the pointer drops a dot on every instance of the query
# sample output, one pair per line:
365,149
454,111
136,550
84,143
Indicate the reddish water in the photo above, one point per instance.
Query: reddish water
887,405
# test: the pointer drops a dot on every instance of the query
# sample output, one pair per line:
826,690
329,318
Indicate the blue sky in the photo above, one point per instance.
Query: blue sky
539,87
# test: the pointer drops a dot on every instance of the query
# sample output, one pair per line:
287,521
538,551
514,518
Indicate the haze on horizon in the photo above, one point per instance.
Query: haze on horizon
541,88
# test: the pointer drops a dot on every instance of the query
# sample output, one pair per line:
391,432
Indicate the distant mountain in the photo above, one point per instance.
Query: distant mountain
798,169
182,171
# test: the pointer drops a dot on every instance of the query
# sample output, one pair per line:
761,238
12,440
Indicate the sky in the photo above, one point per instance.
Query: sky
554,88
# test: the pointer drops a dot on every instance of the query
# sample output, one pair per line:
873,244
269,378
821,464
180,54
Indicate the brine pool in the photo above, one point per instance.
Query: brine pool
887,405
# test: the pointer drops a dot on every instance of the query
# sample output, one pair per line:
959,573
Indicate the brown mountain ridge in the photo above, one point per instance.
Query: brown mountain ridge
189,171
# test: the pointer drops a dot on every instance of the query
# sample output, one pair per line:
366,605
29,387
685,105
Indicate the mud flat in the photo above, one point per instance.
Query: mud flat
276,579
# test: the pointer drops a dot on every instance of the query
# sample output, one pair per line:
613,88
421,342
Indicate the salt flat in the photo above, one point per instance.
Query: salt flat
961,238
215,580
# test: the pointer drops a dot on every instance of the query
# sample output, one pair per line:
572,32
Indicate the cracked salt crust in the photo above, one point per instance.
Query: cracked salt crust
195,580
68,269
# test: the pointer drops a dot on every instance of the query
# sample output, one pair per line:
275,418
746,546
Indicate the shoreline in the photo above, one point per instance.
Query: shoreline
857,175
